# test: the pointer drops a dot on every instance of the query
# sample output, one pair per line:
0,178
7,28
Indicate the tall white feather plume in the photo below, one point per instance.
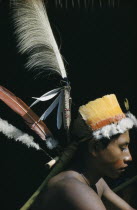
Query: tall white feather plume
35,36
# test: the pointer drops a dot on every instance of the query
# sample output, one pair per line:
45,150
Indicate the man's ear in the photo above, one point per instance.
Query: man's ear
94,147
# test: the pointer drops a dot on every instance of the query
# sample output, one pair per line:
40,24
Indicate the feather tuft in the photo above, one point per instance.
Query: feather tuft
13,133
51,143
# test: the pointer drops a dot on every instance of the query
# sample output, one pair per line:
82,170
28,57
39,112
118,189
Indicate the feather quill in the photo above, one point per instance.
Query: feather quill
31,119
35,36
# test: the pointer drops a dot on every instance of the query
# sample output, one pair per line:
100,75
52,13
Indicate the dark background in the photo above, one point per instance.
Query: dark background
99,46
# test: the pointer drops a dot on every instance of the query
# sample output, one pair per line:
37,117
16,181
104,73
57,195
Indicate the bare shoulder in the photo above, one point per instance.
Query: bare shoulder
64,177
101,186
102,183
74,193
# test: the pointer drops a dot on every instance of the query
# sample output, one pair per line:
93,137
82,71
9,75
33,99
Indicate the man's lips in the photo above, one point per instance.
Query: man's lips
122,169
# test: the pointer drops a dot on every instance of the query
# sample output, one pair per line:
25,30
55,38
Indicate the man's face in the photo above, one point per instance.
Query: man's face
113,160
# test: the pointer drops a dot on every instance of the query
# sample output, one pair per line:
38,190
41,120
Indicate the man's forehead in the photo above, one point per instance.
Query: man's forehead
123,138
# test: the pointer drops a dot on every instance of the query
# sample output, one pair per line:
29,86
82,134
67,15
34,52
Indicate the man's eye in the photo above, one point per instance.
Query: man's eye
123,148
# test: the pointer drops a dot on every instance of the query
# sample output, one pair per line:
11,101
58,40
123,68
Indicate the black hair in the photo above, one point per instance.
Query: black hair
80,130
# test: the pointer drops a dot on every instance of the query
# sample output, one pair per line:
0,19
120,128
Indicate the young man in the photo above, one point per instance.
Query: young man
102,130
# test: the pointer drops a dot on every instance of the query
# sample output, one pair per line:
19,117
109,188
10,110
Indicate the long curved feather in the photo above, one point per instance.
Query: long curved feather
47,96
60,110
35,36
31,119
50,109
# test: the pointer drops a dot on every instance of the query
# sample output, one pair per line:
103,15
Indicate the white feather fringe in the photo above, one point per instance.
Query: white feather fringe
13,133
116,128
35,36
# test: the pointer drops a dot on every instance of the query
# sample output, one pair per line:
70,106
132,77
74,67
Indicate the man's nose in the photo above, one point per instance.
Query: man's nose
128,156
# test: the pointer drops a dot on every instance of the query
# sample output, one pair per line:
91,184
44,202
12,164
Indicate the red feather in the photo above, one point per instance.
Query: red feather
18,106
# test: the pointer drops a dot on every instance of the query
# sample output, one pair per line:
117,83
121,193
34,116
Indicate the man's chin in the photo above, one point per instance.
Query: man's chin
115,175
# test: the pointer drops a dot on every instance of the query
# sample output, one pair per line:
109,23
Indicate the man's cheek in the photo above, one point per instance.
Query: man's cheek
118,164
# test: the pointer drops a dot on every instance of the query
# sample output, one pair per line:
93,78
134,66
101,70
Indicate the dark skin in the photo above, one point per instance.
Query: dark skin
71,189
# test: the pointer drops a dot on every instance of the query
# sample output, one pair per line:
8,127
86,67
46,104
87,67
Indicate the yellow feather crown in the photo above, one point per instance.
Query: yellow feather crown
101,112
